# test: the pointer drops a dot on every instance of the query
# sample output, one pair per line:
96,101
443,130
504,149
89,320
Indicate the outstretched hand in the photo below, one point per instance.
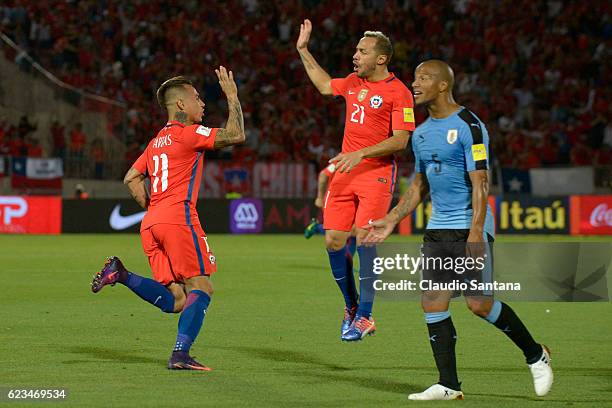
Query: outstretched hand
378,230
305,30
226,80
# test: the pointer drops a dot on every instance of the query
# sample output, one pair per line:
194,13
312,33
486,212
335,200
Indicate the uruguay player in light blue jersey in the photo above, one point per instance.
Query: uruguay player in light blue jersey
451,150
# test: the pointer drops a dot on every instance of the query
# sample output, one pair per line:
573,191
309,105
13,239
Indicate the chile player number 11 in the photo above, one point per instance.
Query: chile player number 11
164,170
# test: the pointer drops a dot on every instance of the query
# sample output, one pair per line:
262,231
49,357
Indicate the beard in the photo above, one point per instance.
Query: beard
365,71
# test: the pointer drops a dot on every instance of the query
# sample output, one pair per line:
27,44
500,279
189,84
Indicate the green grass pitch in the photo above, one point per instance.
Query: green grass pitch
271,335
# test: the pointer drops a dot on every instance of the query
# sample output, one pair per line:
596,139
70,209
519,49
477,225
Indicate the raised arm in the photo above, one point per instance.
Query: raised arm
233,133
381,229
317,75
346,161
134,180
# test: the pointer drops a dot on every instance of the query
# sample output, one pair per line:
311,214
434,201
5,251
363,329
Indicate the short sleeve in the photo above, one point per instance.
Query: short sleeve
475,141
340,86
141,163
419,167
329,170
199,137
402,115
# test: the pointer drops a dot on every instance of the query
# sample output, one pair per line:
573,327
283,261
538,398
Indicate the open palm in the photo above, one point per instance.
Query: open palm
378,231
305,30
226,80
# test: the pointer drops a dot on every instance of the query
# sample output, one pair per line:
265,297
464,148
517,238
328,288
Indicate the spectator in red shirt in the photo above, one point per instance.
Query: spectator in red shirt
97,154
58,140
77,141
34,148
581,155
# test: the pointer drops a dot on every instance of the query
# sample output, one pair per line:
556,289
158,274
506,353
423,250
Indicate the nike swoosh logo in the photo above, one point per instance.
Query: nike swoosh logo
351,92
474,124
120,222
368,277
339,279
157,300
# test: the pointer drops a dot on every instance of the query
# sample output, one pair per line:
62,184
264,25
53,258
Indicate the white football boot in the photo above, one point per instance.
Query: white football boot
437,392
542,373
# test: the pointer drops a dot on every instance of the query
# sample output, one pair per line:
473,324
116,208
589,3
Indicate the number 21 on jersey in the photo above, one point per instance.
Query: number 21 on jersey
358,114
164,172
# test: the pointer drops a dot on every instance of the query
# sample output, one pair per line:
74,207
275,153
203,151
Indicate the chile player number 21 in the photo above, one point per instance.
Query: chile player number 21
358,109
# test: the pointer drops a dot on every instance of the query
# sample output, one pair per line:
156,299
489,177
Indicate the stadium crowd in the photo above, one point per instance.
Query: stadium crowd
535,72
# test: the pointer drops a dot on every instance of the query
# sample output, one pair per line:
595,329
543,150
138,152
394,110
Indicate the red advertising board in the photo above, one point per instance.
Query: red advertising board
591,215
30,215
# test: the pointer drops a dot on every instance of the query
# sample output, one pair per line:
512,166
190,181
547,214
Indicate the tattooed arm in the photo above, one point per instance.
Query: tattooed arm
317,75
379,230
134,181
418,190
233,133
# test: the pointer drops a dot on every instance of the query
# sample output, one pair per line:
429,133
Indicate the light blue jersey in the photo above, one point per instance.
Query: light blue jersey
446,150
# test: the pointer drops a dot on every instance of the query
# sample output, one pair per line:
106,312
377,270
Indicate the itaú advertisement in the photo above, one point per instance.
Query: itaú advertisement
30,215
533,215
592,214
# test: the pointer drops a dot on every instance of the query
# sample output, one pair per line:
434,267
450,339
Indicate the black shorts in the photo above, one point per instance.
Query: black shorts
449,263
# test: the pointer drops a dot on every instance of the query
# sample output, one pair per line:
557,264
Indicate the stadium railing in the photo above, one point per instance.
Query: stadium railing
50,99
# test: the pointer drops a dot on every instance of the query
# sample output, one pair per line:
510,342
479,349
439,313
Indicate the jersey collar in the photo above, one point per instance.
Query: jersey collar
174,123
390,78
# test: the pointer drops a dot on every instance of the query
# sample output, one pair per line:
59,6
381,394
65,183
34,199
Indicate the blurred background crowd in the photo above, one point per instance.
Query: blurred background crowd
534,71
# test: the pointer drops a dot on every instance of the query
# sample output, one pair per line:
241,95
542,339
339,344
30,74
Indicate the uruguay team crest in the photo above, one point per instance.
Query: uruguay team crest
376,101
362,95
451,136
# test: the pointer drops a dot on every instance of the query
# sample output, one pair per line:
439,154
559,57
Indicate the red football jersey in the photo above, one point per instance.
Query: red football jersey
173,162
373,111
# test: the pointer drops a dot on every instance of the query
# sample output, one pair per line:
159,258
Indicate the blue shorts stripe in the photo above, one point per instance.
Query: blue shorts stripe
190,188
187,215
198,250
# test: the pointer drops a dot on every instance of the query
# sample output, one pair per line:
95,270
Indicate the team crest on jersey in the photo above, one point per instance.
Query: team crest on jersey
212,259
451,136
362,95
376,101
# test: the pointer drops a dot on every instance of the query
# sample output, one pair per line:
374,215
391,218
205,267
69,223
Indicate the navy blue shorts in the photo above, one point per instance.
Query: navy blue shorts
450,263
